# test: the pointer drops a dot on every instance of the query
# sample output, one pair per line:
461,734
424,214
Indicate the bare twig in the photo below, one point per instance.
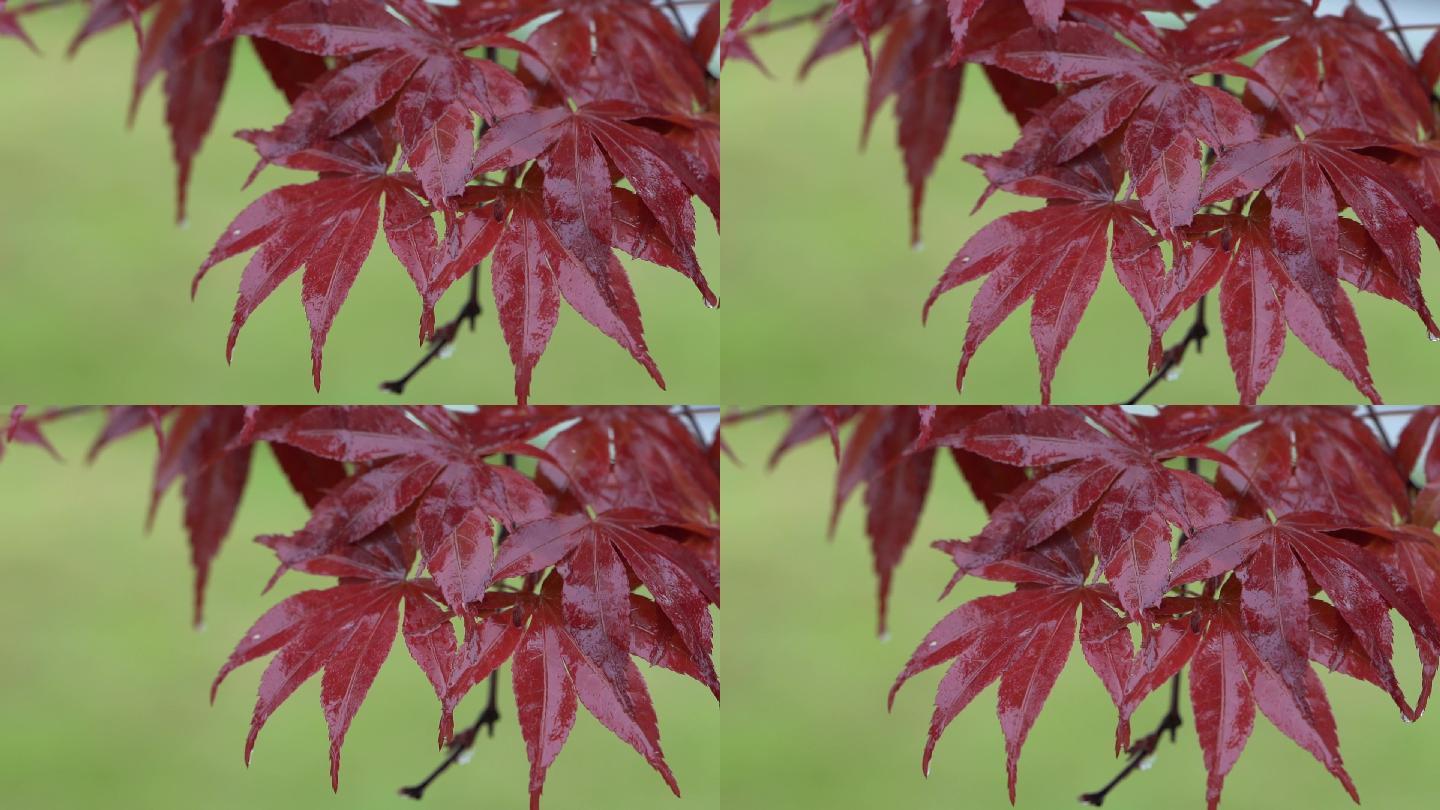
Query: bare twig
463,741
1379,428
1173,355
444,336
679,18
1387,444
689,413
1395,24
1144,748
1399,31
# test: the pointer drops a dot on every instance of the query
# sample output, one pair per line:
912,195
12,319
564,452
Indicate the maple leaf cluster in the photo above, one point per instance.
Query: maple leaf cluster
608,552
1277,152
594,133
1309,533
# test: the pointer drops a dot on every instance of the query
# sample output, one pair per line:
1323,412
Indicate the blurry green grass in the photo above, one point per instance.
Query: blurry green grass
104,685
805,718
95,299
825,292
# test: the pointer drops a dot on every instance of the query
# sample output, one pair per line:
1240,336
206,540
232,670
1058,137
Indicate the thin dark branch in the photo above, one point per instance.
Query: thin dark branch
1171,359
1395,24
444,336
1399,31
1387,444
1144,748
1380,429
689,414
463,741
1406,410
679,18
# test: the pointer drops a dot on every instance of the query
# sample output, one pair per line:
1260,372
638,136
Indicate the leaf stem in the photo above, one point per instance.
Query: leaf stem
1197,333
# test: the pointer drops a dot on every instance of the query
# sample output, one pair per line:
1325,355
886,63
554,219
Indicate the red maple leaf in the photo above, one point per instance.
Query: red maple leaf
1022,639
328,226
420,61
1054,255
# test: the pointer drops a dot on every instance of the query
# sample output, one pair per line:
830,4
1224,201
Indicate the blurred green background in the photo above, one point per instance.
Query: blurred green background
805,718
95,303
104,686
825,292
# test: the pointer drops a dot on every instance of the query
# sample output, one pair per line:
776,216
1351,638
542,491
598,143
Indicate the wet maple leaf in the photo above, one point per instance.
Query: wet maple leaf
347,631
1054,255
1117,476
1229,680
586,45
428,464
415,59
1022,639
328,226
553,674
1146,93
533,269
196,446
